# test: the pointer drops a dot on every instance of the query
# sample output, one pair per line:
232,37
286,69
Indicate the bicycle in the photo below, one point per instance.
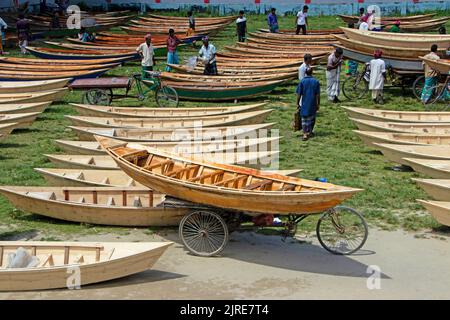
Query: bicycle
440,95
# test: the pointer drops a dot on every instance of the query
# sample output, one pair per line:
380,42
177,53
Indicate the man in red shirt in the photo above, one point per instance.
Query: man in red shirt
172,44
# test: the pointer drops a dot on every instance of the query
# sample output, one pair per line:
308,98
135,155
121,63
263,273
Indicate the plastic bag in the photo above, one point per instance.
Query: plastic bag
22,259
191,63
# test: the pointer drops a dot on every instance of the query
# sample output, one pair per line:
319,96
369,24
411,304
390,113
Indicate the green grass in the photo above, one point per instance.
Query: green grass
335,153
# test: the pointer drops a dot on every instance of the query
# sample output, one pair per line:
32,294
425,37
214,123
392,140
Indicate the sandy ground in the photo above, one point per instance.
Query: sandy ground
255,266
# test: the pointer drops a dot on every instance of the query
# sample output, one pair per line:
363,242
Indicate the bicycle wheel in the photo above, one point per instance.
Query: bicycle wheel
166,97
342,230
355,87
98,97
417,87
439,100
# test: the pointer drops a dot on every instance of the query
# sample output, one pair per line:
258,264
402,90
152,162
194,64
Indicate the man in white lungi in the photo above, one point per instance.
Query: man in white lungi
377,76
334,74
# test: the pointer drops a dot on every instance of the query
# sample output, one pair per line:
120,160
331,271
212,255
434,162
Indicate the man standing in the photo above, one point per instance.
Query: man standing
147,54
377,76
333,75
272,21
431,75
308,102
3,27
208,55
172,44
241,26
307,62
302,20
23,33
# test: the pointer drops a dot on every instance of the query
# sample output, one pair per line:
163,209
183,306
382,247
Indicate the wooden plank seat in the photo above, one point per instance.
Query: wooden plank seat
185,170
262,185
234,182
214,176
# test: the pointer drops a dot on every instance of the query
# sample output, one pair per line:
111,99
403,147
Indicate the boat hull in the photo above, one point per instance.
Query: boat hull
439,210
438,189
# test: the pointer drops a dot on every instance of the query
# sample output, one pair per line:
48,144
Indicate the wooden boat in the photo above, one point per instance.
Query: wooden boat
232,71
314,32
62,68
256,159
276,47
111,206
181,77
58,62
403,40
47,53
234,119
422,26
184,25
292,37
370,138
32,86
7,128
438,169
191,147
24,107
184,134
11,75
172,113
288,52
271,55
397,116
221,91
137,29
197,19
33,97
413,127
438,189
440,210
421,17
289,43
97,262
21,120
225,186
396,152
443,65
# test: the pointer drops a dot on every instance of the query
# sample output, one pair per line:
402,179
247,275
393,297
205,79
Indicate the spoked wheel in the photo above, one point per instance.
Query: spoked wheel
440,98
342,230
355,87
166,97
417,87
203,233
98,97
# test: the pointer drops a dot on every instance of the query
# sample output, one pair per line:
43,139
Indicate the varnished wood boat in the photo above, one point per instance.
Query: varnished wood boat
271,55
47,53
199,19
289,43
24,107
62,68
397,116
315,32
403,40
7,128
21,120
225,186
138,29
443,65
397,152
11,75
277,47
369,138
288,52
184,134
58,62
184,25
413,127
32,86
422,26
440,210
192,147
234,119
438,189
172,113
33,97
292,37
420,17
112,206
225,70
438,169
58,261
249,77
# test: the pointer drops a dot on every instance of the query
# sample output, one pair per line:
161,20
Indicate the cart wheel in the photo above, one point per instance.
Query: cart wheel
417,87
98,97
203,233
355,87
440,98
166,97
342,230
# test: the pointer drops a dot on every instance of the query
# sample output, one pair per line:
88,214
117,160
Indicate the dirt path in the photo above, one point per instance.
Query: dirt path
255,266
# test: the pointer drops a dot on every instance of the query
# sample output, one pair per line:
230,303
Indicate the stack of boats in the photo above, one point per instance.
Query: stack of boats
420,140
400,50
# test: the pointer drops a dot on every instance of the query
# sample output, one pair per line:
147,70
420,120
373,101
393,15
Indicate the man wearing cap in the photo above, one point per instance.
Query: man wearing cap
172,44
147,54
207,54
377,76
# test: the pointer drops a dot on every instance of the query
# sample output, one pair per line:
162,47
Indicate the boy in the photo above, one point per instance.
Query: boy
241,26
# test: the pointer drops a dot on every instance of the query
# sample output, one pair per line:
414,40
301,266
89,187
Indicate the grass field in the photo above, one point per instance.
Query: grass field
335,153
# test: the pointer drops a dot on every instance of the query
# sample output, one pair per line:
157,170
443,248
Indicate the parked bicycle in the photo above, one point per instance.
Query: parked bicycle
439,94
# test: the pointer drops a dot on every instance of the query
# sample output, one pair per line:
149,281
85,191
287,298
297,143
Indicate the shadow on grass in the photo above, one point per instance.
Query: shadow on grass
18,235
28,130
12,145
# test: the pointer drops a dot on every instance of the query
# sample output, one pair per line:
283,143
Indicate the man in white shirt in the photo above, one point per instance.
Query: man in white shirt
301,20
207,54
334,74
377,76
147,54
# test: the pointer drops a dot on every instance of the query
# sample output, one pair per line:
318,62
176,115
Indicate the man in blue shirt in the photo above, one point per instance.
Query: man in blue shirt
272,21
308,102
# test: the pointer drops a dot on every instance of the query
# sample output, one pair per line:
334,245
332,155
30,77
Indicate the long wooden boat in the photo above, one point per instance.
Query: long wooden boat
158,23
197,19
440,210
414,127
183,77
22,120
397,116
32,86
184,134
314,32
276,47
403,40
288,43
135,29
225,186
270,55
234,119
288,51
97,262
370,138
45,67
443,65
58,62
24,107
47,53
225,70
397,152
421,17
32,97
7,128
438,169
191,147
438,189
19,76
221,91
111,206
292,37
423,26
172,113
